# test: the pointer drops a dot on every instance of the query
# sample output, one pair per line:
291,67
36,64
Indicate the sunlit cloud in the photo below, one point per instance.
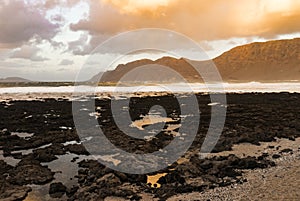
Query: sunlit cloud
201,20
69,30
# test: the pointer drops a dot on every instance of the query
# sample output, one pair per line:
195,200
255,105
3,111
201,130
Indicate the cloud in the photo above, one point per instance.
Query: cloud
66,62
49,4
20,22
28,52
57,45
201,20
80,46
205,46
58,19
10,65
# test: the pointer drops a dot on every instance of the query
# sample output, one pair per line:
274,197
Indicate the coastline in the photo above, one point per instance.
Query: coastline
108,92
266,120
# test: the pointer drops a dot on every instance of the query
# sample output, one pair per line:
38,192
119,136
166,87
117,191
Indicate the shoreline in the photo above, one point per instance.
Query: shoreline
6,97
251,87
40,137
275,183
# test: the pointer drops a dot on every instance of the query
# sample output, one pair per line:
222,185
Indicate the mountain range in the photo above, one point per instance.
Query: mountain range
272,61
13,80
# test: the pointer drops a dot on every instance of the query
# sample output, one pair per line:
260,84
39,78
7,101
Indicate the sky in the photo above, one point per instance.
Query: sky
50,40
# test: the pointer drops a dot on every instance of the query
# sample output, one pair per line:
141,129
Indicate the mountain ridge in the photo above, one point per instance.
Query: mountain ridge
14,79
276,60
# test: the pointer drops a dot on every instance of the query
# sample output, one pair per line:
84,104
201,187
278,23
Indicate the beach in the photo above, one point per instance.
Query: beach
43,157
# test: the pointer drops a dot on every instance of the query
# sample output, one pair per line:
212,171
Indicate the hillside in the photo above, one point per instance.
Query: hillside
264,62
13,79
148,70
268,61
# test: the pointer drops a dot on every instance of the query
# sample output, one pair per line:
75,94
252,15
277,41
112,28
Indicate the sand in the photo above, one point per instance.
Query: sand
281,182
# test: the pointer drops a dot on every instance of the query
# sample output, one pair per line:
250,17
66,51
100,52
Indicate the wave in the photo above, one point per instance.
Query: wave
177,87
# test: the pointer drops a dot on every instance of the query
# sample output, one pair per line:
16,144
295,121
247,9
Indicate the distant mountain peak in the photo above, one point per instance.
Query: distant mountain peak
14,79
277,60
271,61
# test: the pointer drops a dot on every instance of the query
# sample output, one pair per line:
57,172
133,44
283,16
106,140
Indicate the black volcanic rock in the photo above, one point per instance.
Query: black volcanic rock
252,118
57,190
30,172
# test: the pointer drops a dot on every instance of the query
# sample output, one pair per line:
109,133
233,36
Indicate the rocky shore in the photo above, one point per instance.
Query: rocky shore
43,158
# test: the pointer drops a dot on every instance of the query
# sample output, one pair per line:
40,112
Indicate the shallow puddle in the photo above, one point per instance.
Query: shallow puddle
109,158
153,179
171,129
9,160
22,134
149,120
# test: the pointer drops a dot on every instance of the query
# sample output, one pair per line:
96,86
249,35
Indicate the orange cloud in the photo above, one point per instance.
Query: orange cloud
138,6
200,20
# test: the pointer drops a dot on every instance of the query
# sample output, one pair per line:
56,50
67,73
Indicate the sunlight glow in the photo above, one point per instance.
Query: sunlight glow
278,5
135,6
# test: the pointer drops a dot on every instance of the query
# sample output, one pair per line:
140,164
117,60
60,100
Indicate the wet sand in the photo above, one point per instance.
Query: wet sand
276,183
